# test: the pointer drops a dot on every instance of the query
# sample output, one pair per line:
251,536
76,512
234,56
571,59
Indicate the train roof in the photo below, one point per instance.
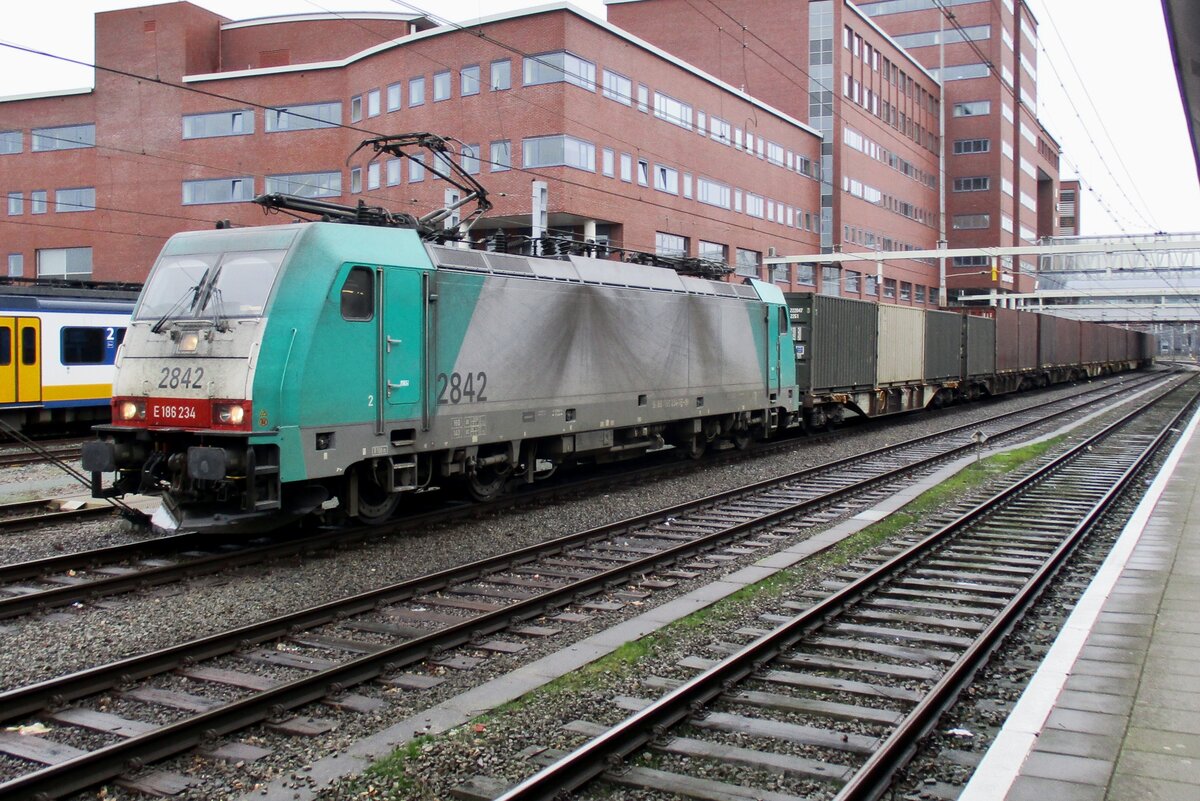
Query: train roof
32,303
586,270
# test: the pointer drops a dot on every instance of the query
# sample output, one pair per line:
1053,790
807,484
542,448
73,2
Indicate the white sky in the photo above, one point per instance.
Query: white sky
1125,134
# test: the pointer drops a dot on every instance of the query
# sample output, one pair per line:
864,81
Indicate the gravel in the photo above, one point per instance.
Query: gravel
38,648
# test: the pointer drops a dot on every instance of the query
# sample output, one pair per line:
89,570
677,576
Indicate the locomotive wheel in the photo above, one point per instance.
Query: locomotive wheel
741,439
487,483
375,504
696,447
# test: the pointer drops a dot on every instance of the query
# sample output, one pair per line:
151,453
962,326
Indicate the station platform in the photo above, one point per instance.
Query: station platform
1113,713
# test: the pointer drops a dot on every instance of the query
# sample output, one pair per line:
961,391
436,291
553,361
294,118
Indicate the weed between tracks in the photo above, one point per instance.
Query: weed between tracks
403,774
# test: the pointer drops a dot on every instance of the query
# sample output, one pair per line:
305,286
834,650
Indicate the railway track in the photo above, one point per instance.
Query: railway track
841,693
213,687
86,576
63,450
22,515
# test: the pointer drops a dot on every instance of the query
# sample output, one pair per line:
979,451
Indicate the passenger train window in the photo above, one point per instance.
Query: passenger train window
28,345
83,345
5,346
358,294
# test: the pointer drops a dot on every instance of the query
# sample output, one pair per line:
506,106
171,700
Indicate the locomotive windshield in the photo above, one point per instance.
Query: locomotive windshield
210,285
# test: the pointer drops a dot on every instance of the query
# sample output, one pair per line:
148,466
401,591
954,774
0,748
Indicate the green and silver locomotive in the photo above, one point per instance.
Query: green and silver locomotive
335,368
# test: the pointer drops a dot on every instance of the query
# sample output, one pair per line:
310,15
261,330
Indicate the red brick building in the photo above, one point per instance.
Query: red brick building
194,114
749,128
874,104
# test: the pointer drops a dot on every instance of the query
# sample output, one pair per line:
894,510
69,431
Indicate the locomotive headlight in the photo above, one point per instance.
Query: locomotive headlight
189,342
229,414
131,410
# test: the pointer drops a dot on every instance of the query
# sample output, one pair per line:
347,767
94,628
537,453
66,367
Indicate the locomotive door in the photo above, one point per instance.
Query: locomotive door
400,336
20,360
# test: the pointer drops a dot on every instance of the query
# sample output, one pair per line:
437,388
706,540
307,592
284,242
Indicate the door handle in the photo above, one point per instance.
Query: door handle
391,342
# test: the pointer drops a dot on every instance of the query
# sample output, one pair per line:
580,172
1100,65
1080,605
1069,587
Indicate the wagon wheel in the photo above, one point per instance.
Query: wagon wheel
695,446
486,484
741,439
375,504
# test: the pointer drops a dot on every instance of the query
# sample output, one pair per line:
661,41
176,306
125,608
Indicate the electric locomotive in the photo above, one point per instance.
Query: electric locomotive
336,367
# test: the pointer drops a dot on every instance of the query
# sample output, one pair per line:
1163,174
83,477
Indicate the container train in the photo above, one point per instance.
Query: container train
57,352
336,369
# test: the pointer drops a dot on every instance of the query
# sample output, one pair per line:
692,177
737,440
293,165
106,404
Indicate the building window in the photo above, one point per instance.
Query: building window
469,80
617,87
394,94
626,168
373,175
713,251
16,265
643,103
224,123
919,293
971,261
64,262
870,286
970,222
356,180
559,151
670,244
16,204
755,205
712,193
643,169
37,201
673,111
806,274
10,142
416,92
393,171
852,278
65,137
608,162
356,108
905,291
501,155
309,184
889,288
719,130
976,184
220,190
687,185
373,103
470,159
747,262
302,118
975,108
775,154
501,75
962,146
560,66
666,179
416,169
441,86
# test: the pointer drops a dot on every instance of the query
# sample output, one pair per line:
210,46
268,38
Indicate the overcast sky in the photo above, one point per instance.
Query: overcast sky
1121,125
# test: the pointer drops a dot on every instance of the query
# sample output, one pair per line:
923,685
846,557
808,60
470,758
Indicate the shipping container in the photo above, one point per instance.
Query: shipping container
943,345
1116,343
1093,344
835,342
1016,338
980,349
901,345
1147,347
1059,341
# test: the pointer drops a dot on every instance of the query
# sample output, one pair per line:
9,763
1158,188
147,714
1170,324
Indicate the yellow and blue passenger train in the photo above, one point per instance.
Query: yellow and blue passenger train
56,358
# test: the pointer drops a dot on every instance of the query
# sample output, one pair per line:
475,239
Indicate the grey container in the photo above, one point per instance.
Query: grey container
980,348
901,345
943,345
835,342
